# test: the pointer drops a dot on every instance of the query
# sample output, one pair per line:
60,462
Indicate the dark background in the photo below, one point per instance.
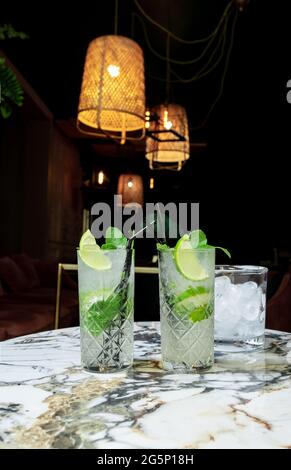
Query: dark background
242,180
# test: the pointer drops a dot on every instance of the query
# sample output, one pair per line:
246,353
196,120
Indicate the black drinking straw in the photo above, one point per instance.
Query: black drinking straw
121,287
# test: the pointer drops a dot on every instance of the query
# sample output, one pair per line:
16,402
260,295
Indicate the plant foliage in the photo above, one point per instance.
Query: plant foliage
11,92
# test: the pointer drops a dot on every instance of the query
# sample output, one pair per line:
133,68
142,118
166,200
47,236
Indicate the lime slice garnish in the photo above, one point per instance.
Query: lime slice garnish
187,261
195,303
91,254
87,239
95,258
89,298
193,297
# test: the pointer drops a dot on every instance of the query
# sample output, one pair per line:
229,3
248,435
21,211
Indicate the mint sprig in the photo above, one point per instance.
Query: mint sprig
201,313
162,247
114,237
102,313
224,250
195,302
191,291
198,240
108,246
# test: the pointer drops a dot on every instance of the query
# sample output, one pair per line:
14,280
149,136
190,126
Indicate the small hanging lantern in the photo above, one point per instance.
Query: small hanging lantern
112,99
241,4
99,179
167,144
130,187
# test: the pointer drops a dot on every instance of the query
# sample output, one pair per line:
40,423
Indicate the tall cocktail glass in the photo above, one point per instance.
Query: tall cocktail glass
187,310
106,312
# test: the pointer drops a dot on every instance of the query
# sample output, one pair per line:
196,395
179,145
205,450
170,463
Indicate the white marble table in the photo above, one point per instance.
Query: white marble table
48,401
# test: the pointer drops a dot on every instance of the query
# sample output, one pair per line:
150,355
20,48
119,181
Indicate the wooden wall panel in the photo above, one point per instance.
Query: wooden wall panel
64,198
40,190
40,183
35,157
11,186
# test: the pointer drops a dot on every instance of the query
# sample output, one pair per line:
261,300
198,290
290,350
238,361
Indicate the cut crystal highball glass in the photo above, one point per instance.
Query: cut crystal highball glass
106,313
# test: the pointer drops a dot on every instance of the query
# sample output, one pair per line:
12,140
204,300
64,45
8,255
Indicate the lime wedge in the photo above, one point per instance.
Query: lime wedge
87,299
87,239
195,303
193,297
91,254
187,261
95,258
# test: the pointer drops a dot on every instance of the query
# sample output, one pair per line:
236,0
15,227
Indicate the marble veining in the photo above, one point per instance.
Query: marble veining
48,401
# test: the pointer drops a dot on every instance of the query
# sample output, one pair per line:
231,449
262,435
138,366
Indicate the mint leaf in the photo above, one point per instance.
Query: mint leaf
198,239
200,313
113,236
108,246
205,247
191,292
162,247
101,314
224,250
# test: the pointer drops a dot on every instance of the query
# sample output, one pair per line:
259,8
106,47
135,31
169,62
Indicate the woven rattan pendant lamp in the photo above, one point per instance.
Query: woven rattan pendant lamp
112,99
130,187
168,146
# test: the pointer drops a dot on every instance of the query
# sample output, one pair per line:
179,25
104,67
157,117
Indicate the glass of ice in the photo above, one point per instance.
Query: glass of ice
240,307
187,311
106,312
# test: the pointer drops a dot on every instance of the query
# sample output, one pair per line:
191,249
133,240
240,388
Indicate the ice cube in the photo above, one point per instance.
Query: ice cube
233,293
221,310
226,323
221,284
249,285
244,331
251,311
239,309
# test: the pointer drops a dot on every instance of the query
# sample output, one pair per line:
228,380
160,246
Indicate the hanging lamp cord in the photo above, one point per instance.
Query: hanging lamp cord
116,18
221,88
168,72
177,38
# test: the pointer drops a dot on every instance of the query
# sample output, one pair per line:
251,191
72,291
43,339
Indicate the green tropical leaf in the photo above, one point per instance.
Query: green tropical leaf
5,110
7,31
11,90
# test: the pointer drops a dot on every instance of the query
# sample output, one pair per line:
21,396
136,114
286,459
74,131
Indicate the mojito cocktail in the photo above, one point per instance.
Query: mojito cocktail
187,306
106,288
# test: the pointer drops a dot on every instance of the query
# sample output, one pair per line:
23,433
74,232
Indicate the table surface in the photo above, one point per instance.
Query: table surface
48,401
